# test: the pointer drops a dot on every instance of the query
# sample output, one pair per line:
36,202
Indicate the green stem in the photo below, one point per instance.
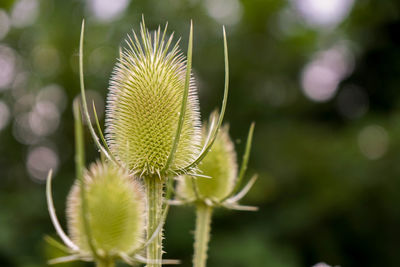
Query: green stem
80,165
154,194
105,263
202,234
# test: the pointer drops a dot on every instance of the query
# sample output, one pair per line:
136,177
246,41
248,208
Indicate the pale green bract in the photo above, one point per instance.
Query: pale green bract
144,103
116,207
220,165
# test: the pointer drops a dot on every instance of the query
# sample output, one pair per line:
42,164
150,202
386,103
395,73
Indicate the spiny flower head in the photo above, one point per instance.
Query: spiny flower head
116,208
220,164
144,102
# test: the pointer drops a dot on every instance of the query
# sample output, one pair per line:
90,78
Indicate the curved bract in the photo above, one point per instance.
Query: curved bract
220,164
116,208
144,104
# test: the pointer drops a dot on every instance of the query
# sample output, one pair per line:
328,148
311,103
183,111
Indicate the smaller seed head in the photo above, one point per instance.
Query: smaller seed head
115,206
220,164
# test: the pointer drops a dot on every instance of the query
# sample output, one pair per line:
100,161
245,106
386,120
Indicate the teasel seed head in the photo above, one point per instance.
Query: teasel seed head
115,206
220,165
144,102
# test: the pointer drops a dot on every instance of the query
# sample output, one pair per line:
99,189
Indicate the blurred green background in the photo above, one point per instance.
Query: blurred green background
320,79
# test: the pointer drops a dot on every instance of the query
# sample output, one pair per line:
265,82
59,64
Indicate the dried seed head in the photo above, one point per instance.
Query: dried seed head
143,106
220,164
116,208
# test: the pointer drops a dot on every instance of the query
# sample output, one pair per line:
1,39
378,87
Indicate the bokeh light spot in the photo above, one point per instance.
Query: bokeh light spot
7,66
22,131
319,82
228,12
106,10
323,13
24,13
44,118
55,94
321,77
40,160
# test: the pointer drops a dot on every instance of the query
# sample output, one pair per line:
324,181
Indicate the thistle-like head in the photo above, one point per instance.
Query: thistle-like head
220,165
115,211
144,105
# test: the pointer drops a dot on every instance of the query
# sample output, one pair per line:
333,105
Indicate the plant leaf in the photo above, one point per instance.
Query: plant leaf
84,103
184,99
244,191
101,133
245,161
53,216
51,241
240,207
64,259
208,145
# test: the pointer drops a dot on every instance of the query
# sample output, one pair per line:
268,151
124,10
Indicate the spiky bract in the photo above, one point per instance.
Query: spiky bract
220,164
143,106
116,208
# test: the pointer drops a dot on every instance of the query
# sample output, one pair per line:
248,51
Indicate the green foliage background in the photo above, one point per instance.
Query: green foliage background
320,198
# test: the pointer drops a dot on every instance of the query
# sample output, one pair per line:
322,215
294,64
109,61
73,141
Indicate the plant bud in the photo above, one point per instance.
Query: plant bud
143,106
220,165
115,210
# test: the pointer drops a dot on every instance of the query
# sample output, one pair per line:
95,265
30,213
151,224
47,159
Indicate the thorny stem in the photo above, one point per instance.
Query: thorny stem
202,234
154,194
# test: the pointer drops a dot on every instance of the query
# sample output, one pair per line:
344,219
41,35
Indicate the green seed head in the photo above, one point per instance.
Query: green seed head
143,106
220,165
116,208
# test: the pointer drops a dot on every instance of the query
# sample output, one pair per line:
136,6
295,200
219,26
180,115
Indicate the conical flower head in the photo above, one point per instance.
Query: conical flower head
144,103
220,164
116,208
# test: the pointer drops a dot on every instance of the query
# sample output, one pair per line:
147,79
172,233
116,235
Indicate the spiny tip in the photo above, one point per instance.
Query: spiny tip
143,19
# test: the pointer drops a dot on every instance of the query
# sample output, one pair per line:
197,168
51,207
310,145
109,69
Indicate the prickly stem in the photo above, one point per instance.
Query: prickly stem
202,234
154,192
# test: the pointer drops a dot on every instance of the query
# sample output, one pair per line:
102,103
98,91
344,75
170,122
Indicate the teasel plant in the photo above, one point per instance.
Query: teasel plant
153,127
105,213
221,190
